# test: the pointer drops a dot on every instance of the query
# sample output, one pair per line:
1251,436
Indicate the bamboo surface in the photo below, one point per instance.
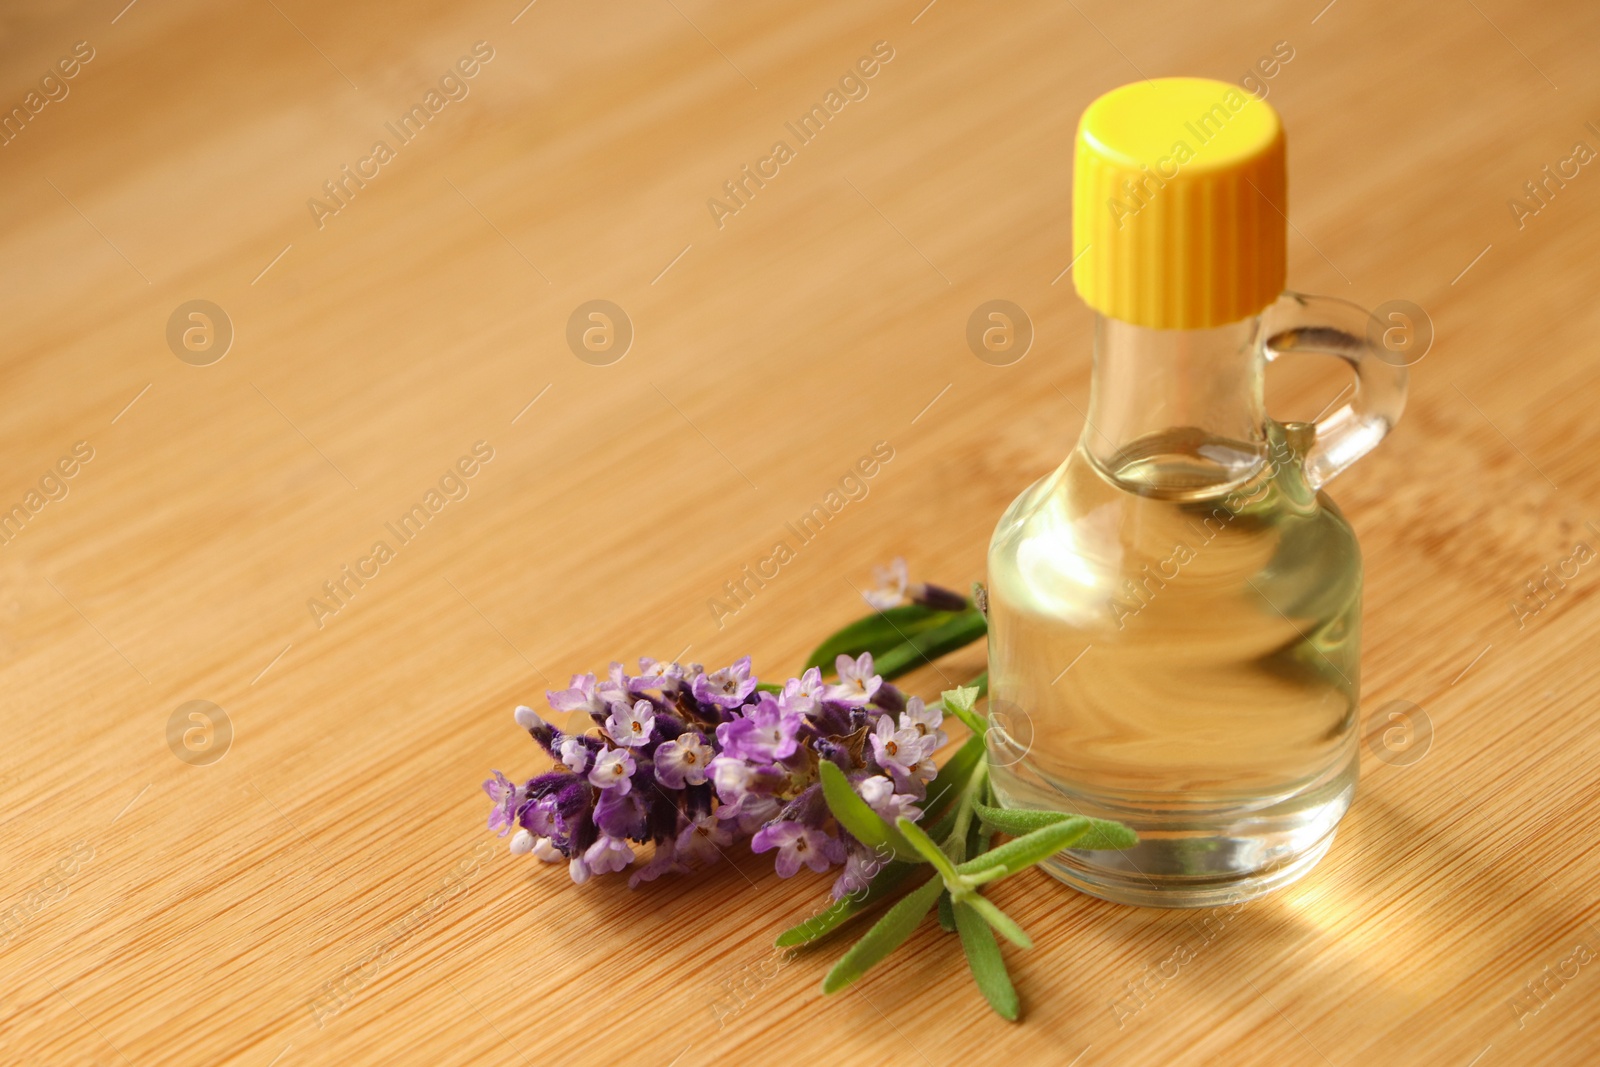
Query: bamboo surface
311,881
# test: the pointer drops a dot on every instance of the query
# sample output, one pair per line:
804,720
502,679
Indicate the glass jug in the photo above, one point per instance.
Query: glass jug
1175,611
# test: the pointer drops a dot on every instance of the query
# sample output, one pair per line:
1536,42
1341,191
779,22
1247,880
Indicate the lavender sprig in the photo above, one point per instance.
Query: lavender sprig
826,774
692,762
958,850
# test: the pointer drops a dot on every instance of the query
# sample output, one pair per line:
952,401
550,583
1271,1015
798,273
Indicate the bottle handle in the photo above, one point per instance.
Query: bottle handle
1328,326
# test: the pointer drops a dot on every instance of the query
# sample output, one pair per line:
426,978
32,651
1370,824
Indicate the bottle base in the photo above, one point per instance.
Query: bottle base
1189,860
1141,892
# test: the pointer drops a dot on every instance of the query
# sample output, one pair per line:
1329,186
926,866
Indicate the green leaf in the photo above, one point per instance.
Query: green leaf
978,840
952,777
998,919
926,848
962,703
856,816
1020,821
888,934
842,911
1102,834
983,957
947,916
922,648
877,633
1023,852
981,684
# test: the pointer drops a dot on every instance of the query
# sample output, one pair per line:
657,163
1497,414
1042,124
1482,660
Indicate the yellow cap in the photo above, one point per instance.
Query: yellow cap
1178,204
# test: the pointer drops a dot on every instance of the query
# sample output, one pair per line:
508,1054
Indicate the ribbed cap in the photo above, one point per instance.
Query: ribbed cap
1178,204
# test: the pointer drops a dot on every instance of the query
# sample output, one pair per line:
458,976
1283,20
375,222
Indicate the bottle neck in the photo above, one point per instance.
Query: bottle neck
1176,410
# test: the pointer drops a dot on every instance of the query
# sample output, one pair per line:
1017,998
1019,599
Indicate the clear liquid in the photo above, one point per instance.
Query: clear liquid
1174,644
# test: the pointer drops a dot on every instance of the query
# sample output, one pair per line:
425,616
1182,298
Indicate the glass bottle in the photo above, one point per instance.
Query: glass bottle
1175,611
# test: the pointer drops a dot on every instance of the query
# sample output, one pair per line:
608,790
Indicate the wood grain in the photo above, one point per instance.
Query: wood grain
162,912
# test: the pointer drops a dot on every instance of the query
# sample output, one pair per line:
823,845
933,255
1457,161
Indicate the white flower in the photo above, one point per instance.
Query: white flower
526,717
574,754
802,694
925,719
613,769
903,753
731,777
545,850
631,727
684,761
891,588
878,792
702,841
521,843
857,683
608,854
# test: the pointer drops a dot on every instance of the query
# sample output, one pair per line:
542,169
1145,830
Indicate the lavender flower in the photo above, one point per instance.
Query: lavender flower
613,770
925,721
857,684
895,587
507,798
580,697
574,754
691,762
631,727
890,591
763,734
686,760
726,688
905,754
701,842
879,793
803,695
657,674
608,854
797,844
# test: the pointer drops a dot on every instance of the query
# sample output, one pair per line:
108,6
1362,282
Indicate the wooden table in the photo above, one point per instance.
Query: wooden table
166,906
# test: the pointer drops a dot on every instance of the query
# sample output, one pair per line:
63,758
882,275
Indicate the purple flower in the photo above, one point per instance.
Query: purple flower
691,763
607,854
620,814
617,688
803,695
903,753
574,754
751,813
797,844
880,795
762,734
613,769
891,588
731,777
860,868
541,818
925,719
630,727
507,798
665,861
657,674
684,761
857,684
726,688
702,841
580,697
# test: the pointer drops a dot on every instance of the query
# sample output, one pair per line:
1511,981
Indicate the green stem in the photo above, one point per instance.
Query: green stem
964,811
